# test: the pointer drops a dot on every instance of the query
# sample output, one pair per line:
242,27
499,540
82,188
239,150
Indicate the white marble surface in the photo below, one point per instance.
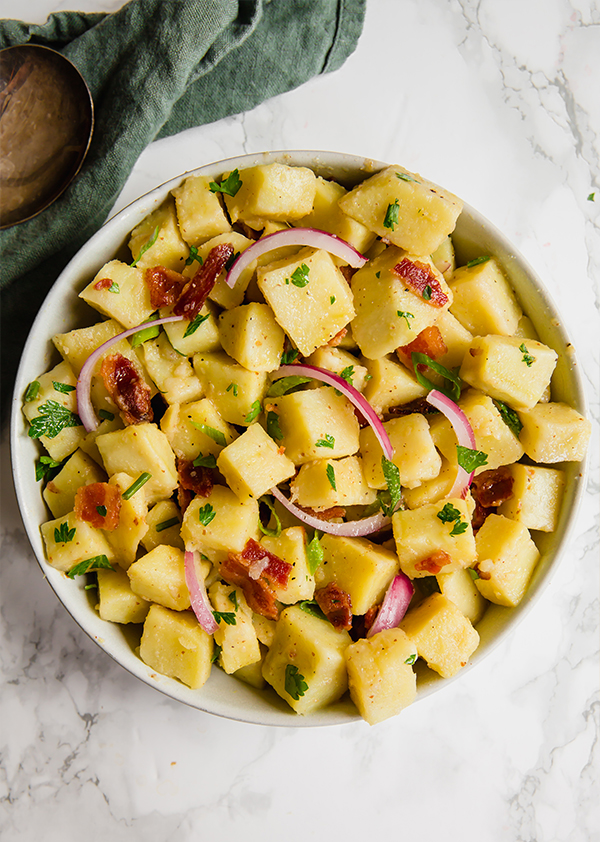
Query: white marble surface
498,101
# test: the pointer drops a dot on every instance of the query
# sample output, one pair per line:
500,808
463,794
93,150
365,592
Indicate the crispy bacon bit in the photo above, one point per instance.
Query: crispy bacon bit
196,291
434,563
164,284
127,389
195,478
92,501
325,514
240,569
420,279
335,340
429,342
336,604
347,272
483,574
420,405
490,488
277,571
478,517
103,283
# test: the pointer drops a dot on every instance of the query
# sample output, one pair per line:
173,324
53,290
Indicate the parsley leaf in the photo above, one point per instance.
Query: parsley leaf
234,599
458,528
332,299
145,248
510,417
411,659
253,413
166,524
98,562
591,197
452,390
233,387
328,441
65,388
115,288
392,478
53,418
106,415
145,333
32,390
273,428
135,486
102,511
391,215
289,356
216,652
526,358
403,314
295,685
229,185
228,617
470,459
478,260
426,294
449,513
44,467
473,573
314,554
195,324
208,461
206,514
405,177
286,384
193,255
329,470
347,374
216,435
300,276
312,607
62,534
274,532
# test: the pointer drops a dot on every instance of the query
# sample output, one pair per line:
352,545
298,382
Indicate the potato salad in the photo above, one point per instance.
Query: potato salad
296,442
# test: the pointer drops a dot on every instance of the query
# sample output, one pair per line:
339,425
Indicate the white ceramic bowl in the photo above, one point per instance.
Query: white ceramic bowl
63,311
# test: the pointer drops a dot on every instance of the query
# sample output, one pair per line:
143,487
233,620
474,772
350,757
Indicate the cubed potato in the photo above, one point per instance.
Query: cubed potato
314,484
381,679
199,212
117,603
272,191
227,523
430,491
290,545
234,390
426,213
132,527
138,449
361,568
120,292
236,634
415,454
221,293
460,588
203,340
444,258
196,428
388,313
53,402
390,384
484,301
159,576
509,369
252,674
82,542
536,497
554,432
312,416
252,464
59,492
251,336
507,557
168,248
309,296
444,637
265,629
337,360
456,338
164,525
305,663
172,373
174,644
326,215
420,534
77,345
109,424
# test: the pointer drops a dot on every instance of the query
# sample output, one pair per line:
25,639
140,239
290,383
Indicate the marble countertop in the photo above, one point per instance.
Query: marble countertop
497,101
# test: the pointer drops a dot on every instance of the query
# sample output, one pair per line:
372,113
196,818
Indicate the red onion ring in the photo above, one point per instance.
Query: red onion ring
464,434
85,410
394,605
198,596
353,395
349,529
295,237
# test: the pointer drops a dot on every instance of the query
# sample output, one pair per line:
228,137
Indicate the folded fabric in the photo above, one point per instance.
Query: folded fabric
154,68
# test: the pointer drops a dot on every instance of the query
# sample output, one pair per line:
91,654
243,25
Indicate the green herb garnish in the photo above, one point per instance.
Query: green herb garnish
314,554
347,374
216,652
403,314
98,562
145,247
145,333
329,470
510,417
228,617
253,413
166,524
300,276
206,514
233,387
102,511
591,197
193,255
470,459
229,185
391,215
114,288
478,261
53,418
233,599
45,466
526,358
286,384
328,441
405,177
106,415
135,486
332,299
411,659
273,428
62,534
392,478
295,685
216,435
452,390
65,388
195,324
458,528
312,607
275,532
208,461
473,573
426,294
449,514
32,390
289,356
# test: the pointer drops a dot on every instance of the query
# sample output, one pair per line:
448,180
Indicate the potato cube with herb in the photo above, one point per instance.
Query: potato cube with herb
220,523
305,663
157,240
172,373
198,336
444,258
314,423
221,293
251,336
361,568
554,432
309,296
433,489
121,293
460,588
195,429
340,362
236,392
332,482
252,464
390,384
456,337
506,557
434,538
141,449
415,454
484,301
174,644
199,211
132,527
236,634
77,345
536,497
117,603
272,191
509,369
408,210
164,524
381,679
444,637
78,470
69,541
159,576
290,545
52,412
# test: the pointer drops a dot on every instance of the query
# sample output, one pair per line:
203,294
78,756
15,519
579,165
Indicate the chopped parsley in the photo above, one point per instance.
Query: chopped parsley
404,314
450,514
426,294
478,261
229,185
274,532
273,427
32,390
312,607
195,324
216,652
145,333
347,374
206,514
62,534
411,659
135,486
228,617
102,511
405,177
452,390
332,299
331,476
98,562
510,417
53,418
328,441
44,467
391,215
193,255
216,435
234,599
253,413
526,358
143,250
233,387
208,461
166,524
295,685
392,478
591,197
473,573
314,553
470,459
65,388
299,276
289,356
286,384
106,415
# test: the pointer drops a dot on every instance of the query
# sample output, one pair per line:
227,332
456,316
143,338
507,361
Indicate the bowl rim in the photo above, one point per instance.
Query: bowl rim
68,284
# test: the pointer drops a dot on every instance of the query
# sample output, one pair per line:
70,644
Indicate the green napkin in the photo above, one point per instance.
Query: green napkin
154,68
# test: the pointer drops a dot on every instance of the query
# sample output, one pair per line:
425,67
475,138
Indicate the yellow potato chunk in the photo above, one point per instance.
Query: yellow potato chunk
117,603
273,191
536,497
251,336
332,482
62,444
174,644
236,634
252,464
444,258
159,517
163,248
203,340
484,301
337,360
290,545
554,432
77,345
234,390
460,588
390,384
415,454
195,428
326,215
456,338
305,663
159,576
199,211
220,523
444,637
60,491
507,557
126,299
172,373
361,568
381,679
425,213
69,541
132,526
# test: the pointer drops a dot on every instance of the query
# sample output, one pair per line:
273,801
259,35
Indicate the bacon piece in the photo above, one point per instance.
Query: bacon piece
196,291
277,571
91,500
184,498
103,283
127,389
165,286
335,340
429,342
195,478
421,280
490,488
325,514
420,405
240,569
336,604
434,562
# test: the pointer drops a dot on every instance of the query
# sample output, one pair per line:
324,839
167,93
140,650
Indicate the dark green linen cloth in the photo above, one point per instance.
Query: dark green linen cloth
155,68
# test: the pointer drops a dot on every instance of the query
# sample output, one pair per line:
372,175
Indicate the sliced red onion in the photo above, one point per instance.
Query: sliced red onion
349,529
295,237
464,434
394,605
198,596
353,395
85,410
